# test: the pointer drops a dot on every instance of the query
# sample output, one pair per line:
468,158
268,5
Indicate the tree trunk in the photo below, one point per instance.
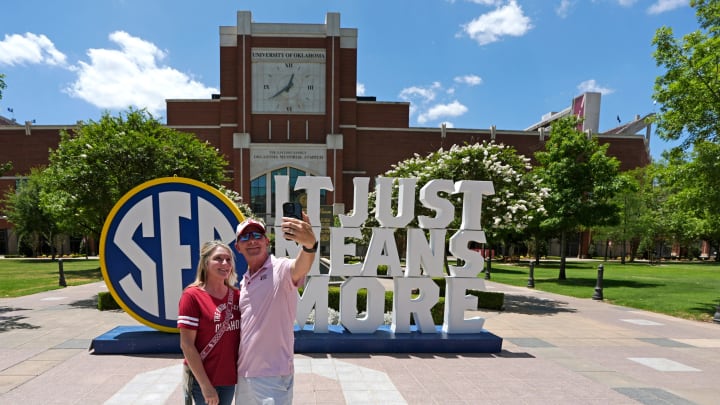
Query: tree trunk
53,249
634,246
563,254
607,245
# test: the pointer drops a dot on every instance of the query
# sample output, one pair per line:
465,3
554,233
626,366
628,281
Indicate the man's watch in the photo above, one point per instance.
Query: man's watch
313,249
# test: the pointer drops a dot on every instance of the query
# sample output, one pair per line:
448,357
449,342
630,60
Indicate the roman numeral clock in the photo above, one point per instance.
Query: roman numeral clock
288,81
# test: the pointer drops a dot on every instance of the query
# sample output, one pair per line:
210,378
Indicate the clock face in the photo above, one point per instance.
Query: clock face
288,81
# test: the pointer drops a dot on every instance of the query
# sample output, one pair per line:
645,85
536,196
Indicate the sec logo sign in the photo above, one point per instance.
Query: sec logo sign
150,243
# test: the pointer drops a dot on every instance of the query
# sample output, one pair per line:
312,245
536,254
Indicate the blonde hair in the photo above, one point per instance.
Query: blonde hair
206,250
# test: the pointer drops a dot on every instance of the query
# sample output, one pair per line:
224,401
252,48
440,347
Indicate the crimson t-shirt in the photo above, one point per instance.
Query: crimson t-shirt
200,311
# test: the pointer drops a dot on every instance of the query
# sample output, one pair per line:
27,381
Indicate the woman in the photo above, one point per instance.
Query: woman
209,324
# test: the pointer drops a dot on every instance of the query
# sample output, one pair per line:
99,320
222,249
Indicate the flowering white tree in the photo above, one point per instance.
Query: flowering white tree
236,198
518,198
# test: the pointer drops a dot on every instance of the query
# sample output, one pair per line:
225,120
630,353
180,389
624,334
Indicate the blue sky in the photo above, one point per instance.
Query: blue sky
469,63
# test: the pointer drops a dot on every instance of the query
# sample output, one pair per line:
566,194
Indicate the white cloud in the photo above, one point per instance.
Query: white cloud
563,9
30,49
626,3
662,6
424,94
421,99
592,86
448,124
470,80
491,27
360,89
486,2
454,109
132,76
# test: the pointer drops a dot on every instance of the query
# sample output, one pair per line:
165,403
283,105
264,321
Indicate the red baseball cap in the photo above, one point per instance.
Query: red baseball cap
247,225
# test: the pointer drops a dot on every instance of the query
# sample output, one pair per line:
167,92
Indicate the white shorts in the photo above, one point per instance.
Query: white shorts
264,390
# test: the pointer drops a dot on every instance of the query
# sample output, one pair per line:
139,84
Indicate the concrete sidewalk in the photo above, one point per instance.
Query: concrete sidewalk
556,350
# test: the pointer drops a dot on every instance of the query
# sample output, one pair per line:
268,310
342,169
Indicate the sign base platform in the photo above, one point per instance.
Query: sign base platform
146,340
383,340
136,340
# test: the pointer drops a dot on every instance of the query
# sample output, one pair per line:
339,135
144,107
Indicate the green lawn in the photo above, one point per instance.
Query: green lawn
20,277
681,289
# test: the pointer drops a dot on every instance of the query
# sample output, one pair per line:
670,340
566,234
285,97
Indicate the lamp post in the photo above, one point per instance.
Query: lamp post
61,272
599,285
531,275
488,267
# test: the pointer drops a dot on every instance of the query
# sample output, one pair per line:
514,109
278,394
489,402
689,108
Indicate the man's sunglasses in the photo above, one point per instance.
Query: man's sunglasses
246,236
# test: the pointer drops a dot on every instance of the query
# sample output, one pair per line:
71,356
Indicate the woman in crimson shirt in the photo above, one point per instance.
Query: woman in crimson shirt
209,324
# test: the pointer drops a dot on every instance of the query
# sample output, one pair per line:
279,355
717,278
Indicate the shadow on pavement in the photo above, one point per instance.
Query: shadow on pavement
340,356
8,323
87,303
523,304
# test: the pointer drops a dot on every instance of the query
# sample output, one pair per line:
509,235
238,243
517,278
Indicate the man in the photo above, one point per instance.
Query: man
268,305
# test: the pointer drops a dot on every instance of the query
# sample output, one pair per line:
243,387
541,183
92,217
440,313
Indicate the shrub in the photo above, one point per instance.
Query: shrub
486,300
106,301
334,299
489,299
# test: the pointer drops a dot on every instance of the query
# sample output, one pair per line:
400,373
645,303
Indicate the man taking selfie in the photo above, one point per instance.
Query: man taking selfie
268,306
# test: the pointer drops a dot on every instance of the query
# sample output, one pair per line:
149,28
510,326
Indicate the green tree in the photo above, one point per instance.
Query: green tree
98,162
640,199
33,223
692,181
582,179
703,190
3,86
518,197
688,93
658,220
5,167
630,205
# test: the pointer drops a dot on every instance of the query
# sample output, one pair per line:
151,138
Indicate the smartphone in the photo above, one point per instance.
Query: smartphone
292,210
